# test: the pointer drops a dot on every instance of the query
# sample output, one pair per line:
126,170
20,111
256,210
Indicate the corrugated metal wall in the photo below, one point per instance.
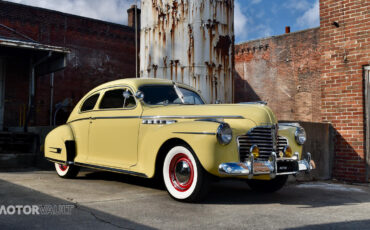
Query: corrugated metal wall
189,41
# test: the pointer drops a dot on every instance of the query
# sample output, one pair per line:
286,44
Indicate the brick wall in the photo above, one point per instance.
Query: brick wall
282,70
100,52
346,49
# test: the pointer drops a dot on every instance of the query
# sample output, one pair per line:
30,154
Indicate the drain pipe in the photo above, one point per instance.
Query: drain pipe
31,100
51,98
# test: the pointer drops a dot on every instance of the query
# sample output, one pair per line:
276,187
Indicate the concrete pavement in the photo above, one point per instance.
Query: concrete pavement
103,200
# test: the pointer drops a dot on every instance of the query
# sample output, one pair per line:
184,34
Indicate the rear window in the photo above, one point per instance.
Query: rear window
89,103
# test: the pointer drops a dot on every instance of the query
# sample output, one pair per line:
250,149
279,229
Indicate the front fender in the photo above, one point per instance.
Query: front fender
55,143
199,135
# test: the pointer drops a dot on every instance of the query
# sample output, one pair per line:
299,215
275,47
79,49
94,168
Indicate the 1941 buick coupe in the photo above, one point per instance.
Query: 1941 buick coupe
159,128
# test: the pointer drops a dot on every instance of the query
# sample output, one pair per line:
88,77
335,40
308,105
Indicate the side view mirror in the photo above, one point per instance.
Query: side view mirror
139,95
126,94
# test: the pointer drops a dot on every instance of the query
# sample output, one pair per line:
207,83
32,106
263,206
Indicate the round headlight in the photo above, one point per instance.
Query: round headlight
224,134
300,136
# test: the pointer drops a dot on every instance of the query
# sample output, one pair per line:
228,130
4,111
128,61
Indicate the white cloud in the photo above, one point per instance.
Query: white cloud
256,1
311,17
297,5
240,22
107,10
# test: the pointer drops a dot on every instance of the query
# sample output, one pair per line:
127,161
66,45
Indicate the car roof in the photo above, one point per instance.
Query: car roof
137,82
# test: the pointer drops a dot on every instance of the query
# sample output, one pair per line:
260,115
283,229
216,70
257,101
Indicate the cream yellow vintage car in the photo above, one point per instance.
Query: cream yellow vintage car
159,128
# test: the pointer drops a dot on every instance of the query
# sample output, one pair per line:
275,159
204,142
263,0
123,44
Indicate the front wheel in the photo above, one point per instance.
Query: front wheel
183,175
268,186
67,171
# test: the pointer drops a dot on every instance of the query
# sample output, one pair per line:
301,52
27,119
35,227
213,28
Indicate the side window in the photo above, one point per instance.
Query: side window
117,99
89,103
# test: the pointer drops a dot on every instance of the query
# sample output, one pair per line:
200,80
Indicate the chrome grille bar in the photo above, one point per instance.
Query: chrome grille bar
264,139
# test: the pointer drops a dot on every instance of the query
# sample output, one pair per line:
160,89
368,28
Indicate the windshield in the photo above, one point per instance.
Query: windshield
169,94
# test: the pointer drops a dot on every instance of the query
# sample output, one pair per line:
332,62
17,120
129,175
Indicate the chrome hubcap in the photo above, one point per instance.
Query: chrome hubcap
183,172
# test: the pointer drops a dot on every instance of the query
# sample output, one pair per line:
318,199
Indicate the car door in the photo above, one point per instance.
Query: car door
114,128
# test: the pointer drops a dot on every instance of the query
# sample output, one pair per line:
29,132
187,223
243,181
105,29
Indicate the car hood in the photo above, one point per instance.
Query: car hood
232,113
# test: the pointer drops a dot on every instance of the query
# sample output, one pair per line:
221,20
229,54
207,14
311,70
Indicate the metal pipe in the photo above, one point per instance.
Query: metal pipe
136,54
51,98
31,98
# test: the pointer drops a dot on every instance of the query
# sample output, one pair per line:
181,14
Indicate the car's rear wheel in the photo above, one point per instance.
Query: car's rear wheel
268,186
183,175
66,171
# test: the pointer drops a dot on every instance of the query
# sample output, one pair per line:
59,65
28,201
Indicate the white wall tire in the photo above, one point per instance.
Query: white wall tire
66,171
183,175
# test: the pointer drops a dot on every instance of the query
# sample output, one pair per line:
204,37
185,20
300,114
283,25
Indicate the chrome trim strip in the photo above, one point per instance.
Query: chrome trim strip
102,118
79,119
118,117
157,122
201,133
98,167
192,117
159,117
56,161
55,150
111,169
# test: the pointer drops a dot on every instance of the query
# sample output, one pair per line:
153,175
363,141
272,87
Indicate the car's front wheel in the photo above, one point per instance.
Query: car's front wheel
67,171
184,176
268,186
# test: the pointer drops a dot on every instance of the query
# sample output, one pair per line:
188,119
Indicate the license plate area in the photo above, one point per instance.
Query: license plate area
287,166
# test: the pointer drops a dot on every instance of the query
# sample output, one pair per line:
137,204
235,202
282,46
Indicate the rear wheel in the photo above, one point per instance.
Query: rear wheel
268,186
66,171
183,175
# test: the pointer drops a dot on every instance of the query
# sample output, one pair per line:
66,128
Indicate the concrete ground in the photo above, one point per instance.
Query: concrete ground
103,200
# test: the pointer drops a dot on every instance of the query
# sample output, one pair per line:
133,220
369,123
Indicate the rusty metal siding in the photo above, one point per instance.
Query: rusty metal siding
189,41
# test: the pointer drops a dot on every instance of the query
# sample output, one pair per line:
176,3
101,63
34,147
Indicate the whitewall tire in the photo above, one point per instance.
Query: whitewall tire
184,177
66,171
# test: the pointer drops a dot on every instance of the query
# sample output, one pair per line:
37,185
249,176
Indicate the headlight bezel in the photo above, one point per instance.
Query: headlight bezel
300,136
223,131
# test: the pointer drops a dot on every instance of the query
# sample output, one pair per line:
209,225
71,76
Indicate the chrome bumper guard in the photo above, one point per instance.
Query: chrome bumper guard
273,167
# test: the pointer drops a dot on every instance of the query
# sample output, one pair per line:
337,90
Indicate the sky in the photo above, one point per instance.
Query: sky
253,18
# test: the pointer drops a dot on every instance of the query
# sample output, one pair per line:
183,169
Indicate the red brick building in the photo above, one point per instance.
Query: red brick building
95,52
345,44
283,71
318,75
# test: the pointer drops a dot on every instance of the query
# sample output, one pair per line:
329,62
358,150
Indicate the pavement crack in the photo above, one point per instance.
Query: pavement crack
77,206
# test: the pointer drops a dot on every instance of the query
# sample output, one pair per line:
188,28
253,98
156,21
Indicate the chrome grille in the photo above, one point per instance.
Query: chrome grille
265,138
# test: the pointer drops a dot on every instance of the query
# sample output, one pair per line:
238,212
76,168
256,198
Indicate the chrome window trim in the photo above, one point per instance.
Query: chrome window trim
95,109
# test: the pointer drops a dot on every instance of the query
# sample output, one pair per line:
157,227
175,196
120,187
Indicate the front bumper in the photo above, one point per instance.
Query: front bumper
273,167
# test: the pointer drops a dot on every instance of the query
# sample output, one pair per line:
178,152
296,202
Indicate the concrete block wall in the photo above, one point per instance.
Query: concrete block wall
345,44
